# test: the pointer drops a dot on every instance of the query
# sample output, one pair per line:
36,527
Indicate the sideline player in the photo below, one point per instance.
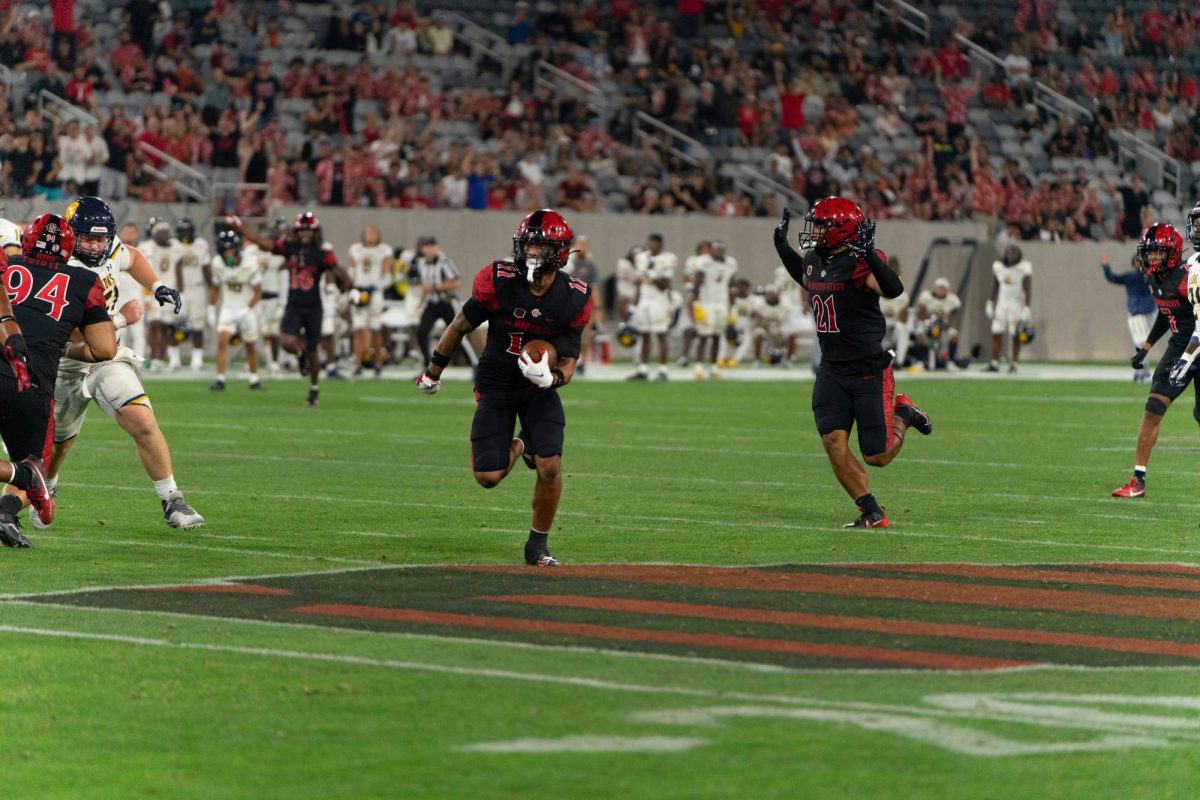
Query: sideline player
526,298
1139,305
115,385
652,305
1009,304
306,258
1160,254
236,291
710,284
190,258
156,247
845,276
370,260
52,300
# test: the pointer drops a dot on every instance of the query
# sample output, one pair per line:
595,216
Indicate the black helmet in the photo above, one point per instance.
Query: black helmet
185,230
91,216
229,240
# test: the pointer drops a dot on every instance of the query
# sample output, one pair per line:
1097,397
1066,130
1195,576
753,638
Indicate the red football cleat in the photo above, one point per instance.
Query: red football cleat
869,519
920,420
38,492
1133,488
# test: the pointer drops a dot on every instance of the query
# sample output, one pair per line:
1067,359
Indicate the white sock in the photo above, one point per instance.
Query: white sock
253,378
52,483
221,377
165,487
643,369
197,354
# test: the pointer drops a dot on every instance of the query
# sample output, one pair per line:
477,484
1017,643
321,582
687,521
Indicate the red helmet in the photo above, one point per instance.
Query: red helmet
839,219
1162,238
49,238
307,221
544,226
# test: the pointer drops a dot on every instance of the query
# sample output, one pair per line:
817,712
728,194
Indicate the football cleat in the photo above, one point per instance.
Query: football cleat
35,520
10,531
527,455
992,368
1132,488
539,556
314,397
38,493
179,514
869,519
257,387
920,420
218,386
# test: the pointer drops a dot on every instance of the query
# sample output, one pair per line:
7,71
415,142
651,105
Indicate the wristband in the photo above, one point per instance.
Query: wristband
118,320
561,379
439,360
7,318
156,285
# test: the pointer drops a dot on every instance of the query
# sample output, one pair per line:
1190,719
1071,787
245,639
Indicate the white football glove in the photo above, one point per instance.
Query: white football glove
1026,314
210,316
536,372
990,309
428,384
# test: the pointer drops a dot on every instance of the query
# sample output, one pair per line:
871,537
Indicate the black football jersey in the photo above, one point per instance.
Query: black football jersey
50,302
1170,292
850,326
516,315
305,266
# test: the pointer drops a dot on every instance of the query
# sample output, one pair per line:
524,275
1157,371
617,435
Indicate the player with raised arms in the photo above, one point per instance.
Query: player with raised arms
523,299
51,300
114,384
845,276
1160,257
306,258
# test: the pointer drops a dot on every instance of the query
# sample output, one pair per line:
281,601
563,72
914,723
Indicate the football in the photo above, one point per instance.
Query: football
534,348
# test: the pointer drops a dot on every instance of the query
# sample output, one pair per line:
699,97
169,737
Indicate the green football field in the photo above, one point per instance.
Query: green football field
354,619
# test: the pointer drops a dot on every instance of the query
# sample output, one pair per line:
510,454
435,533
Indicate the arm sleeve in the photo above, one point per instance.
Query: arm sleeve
1161,325
792,261
1109,276
890,285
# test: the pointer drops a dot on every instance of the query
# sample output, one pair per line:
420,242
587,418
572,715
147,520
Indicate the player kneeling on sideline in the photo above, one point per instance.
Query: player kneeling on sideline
1159,255
52,300
524,299
236,290
115,385
845,276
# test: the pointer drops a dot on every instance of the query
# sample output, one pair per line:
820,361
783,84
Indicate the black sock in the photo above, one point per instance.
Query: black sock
537,538
868,504
904,413
10,504
1140,474
22,476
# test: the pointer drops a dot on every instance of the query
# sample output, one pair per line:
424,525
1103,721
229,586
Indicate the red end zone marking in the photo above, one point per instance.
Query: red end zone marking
225,588
1179,569
1037,574
872,624
1117,605
907,658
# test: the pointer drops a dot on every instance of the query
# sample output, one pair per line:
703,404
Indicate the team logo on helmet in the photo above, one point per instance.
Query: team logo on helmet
48,239
1159,238
91,217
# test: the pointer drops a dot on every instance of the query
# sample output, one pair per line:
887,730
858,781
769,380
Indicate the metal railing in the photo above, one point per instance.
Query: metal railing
188,180
51,106
1155,166
912,18
479,42
758,183
561,81
675,141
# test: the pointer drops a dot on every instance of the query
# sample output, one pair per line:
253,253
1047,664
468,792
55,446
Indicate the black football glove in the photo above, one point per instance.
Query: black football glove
865,241
165,294
1138,360
17,356
1180,373
781,230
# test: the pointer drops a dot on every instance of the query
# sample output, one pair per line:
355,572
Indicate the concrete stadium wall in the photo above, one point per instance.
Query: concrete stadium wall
1079,316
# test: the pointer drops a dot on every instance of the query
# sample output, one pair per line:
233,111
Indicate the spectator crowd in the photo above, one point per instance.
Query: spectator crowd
362,108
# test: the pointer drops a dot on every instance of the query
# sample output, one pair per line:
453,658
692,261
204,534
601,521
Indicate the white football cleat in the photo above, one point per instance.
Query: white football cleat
179,514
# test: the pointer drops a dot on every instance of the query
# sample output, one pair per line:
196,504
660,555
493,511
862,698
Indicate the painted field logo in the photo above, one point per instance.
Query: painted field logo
805,616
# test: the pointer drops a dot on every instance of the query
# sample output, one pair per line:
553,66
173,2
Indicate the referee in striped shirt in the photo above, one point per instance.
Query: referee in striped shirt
439,284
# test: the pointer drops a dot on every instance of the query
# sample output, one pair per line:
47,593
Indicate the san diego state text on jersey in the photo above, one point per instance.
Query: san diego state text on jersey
49,304
516,315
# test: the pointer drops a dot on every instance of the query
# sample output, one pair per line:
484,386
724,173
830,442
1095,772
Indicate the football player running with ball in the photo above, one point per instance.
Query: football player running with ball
845,276
523,299
1160,258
